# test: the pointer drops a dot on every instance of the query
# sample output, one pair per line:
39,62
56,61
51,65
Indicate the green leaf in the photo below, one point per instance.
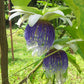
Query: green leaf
6,16
78,8
56,8
20,2
72,60
61,41
29,9
65,74
42,75
32,77
44,3
67,11
61,26
43,11
52,15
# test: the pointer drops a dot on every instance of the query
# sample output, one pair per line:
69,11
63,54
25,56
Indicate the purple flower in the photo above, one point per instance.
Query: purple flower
40,37
57,62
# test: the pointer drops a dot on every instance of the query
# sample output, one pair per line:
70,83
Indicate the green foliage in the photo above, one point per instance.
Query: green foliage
20,32
29,9
20,2
56,8
77,30
72,59
62,41
6,16
32,77
23,59
6,9
48,4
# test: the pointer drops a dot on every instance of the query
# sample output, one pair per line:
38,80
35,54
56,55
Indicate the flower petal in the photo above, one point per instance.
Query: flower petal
34,52
14,15
69,21
22,19
73,47
33,19
21,11
32,47
58,46
66,20
15,10
57,61
59,12
52,15
41,34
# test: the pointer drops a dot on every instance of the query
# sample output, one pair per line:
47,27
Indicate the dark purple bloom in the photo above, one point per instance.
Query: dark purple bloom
57,62
40,36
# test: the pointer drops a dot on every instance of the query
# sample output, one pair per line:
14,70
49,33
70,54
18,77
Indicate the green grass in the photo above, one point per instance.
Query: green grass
23,57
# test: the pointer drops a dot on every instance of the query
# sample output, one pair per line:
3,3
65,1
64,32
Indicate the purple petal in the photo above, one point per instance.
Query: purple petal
56,62
42,33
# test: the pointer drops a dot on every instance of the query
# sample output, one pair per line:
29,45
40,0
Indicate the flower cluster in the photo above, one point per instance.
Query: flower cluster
40,35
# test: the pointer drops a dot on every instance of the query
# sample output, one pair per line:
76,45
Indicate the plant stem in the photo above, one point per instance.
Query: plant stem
25,79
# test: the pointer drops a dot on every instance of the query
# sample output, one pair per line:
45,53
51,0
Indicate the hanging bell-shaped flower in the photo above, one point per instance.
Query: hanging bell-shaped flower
40,37
56,64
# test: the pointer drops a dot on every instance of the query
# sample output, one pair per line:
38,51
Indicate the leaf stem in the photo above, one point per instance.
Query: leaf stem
25,79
